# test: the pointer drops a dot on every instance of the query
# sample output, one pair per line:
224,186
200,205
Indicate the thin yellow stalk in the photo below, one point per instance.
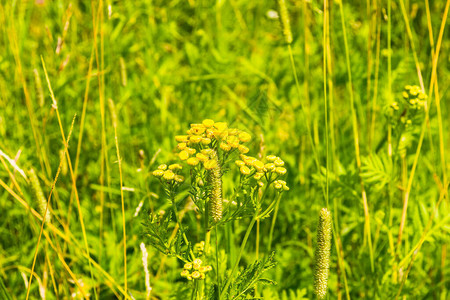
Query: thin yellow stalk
67,239
45,215
119,160
356,140
74,186
425,122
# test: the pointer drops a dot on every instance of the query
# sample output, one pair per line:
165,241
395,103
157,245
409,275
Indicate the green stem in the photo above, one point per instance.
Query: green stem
217,262
273,222
241,251
175,211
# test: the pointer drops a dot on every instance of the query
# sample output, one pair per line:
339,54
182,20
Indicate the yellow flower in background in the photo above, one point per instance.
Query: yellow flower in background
162,167
175,167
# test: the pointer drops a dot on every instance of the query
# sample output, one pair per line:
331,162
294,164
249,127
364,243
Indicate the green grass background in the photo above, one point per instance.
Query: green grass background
167,64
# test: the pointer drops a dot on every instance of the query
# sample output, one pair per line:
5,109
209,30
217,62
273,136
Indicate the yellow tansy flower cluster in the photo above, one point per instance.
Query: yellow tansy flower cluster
195,270
196,146
251,165
169,173
414,96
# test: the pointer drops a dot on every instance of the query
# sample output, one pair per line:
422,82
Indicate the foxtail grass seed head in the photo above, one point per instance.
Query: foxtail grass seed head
41,202
322,263
215,180
285,24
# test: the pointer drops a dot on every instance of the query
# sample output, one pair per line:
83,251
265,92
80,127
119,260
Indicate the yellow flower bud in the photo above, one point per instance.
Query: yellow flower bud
221,126
269,166
190,150
210,164
181,138
181,146
243,149
169,175
225,147
183,155
239,163
208,123
206,141
192,161
179,178
280,170
278,162
271,157
244,137
162,167
175,167
195,139
158,173
259,165
245,170
201,157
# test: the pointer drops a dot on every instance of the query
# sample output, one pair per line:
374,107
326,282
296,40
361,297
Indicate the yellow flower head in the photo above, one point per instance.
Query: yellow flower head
188,266
225,147
207,152
184,273
158,173
244,137
198,130
201,157
181,146
245,170
206,141
269,166
243,149
259,165
190,150
239,163
197,261
179,178
162,167
280,170
258,175
195,139
169,175
210,164
208,123
183,155
192,161
271,157
278,162
181,138
221,126
175,167
196,274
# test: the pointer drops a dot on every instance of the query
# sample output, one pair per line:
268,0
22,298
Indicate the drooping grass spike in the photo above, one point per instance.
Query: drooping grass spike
284,18
41,202
322,263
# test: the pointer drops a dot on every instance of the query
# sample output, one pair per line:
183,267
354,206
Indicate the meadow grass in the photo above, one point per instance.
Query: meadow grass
92,95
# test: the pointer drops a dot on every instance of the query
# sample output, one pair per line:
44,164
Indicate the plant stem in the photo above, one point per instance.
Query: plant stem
273,222
175,211
241,251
